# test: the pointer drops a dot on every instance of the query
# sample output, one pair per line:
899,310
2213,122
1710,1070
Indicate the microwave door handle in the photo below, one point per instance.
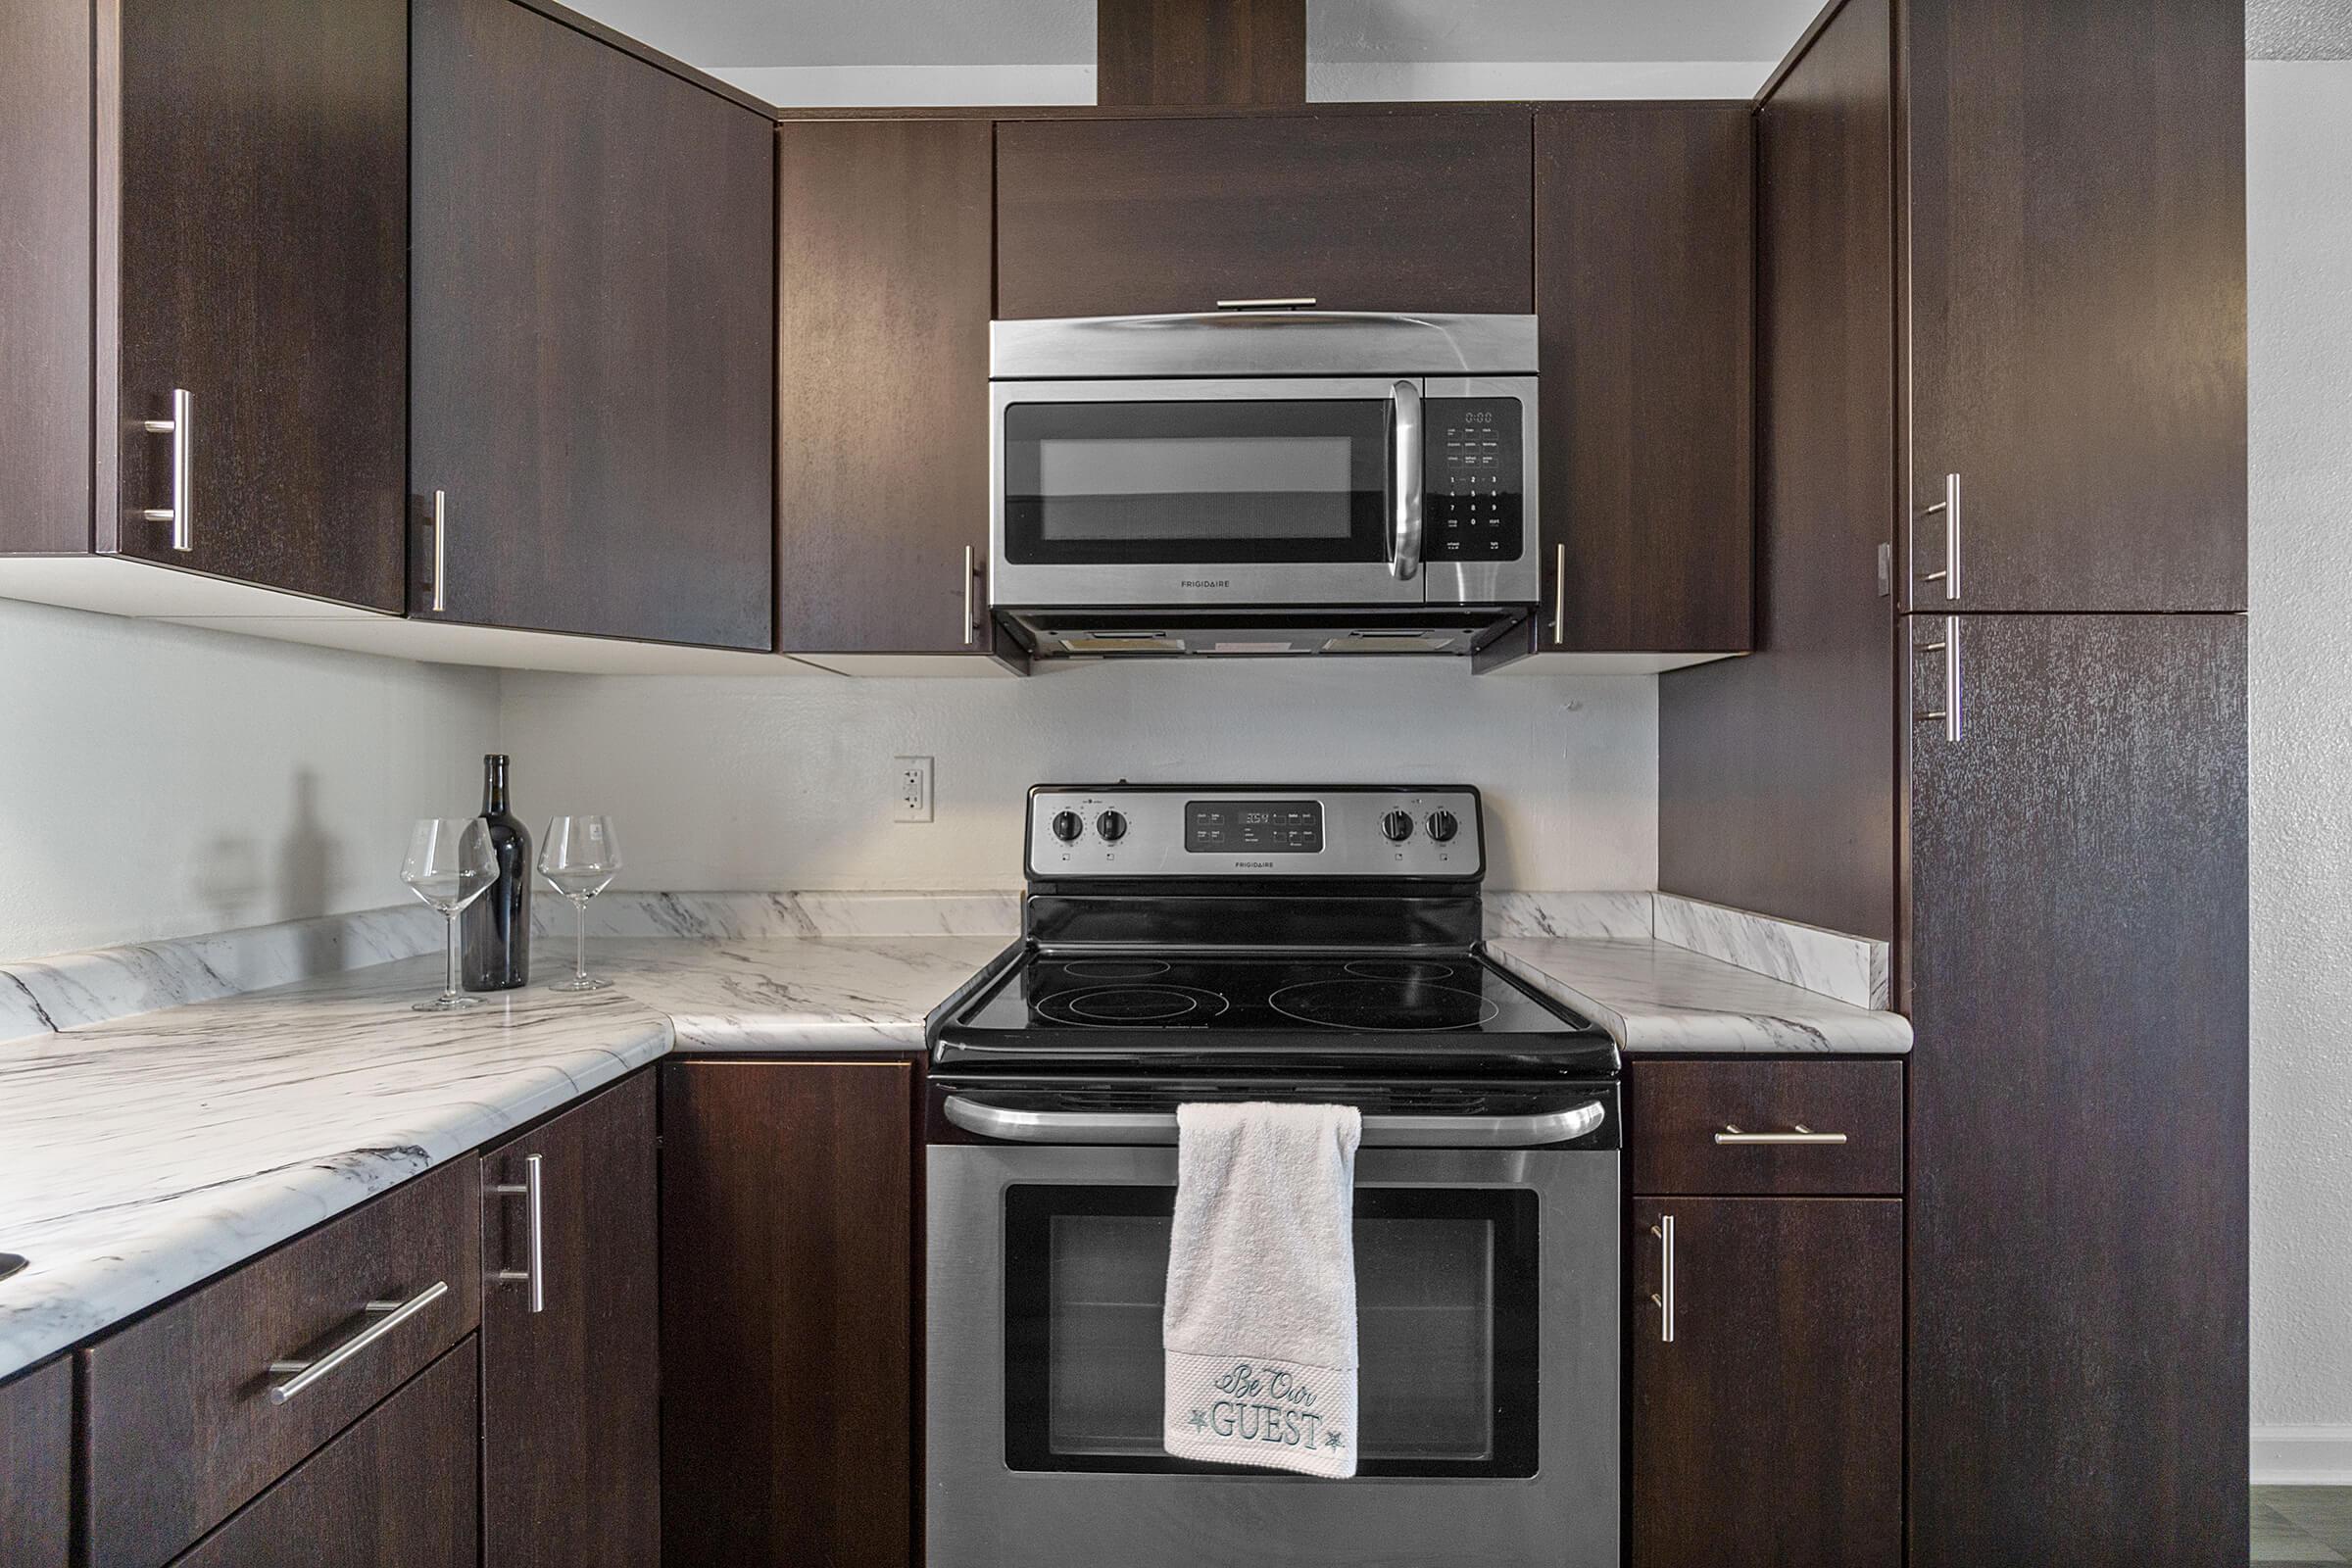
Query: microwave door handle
1159,1127
1404,536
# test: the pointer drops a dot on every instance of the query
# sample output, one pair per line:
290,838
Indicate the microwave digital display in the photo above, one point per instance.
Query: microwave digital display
1254,828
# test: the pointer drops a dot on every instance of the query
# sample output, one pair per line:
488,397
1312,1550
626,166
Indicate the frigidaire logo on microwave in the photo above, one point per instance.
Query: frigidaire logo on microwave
1204,582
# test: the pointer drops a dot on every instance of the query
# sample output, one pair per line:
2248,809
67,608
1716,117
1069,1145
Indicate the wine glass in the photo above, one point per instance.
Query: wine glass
450,864
579,858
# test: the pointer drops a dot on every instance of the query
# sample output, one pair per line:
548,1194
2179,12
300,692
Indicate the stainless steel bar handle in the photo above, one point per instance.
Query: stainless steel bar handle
1159,1127
970,631
1663,1230
1949,506
1559,597
1404,544
534,1272
1298,302
182,429
440,549
386,1317
1801,1134
1949,713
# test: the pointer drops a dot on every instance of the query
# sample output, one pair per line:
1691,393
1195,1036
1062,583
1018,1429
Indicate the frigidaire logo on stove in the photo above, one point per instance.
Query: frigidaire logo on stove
1253,866
1204,582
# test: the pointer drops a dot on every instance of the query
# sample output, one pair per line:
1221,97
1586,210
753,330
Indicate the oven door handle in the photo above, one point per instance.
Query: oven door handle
1159,1127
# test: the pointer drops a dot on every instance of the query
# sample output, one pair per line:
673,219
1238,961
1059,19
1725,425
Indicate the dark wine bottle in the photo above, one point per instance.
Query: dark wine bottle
497,935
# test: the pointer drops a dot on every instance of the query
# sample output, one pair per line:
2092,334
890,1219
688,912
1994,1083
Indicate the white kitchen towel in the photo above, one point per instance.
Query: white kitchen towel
1259,1328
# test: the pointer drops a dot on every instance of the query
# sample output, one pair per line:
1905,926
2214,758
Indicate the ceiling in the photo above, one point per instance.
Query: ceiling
718,34
2299,30
723,36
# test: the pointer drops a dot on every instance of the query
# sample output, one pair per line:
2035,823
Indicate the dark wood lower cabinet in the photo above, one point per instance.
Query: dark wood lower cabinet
788,1409
36,1466
1767,1432
572,1387
396,1490
2078,1129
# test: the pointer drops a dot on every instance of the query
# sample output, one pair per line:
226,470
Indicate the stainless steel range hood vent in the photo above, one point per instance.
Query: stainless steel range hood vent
1482,632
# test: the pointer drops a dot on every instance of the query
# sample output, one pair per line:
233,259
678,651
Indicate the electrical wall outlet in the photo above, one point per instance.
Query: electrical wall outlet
911,789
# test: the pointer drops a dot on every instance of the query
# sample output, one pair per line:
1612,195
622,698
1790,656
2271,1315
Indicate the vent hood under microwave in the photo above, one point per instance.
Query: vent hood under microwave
1261,482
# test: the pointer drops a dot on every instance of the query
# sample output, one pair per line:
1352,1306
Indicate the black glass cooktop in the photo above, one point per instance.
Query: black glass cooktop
1452,1011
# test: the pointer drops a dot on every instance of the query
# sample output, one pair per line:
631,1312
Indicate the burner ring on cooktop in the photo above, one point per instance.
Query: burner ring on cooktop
1399,969
1123,1006
1114,968
1383,1007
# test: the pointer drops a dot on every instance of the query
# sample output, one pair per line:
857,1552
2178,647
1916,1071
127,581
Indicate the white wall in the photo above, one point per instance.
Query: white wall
2299,195
157,781
750,783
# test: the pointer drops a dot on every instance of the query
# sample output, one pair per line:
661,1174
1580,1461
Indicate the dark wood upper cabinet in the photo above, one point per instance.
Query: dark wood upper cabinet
2077,249
2078,1125
593,388
47,124
36,1466
788,1396
1645,236
1420,209
1767,1430
882,308
1775,783
571,1468
220,199
395,1491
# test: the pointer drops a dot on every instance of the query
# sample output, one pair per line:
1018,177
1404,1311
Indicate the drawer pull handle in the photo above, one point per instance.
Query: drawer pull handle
535,1275
387,1316
1801,1134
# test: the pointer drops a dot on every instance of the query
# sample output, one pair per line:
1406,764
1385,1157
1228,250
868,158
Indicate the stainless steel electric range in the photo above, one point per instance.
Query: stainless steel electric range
1189,943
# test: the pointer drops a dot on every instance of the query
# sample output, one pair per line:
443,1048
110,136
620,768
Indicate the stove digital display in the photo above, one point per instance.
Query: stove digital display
1254,828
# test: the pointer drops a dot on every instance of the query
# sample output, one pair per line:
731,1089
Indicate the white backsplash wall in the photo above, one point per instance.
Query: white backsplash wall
745,783
159,781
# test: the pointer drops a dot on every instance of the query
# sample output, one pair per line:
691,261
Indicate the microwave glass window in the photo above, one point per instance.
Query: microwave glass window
1235,480
1277,486
1446,1315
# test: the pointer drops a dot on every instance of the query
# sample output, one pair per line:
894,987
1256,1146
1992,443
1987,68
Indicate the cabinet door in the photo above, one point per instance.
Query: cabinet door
395,1491
1420,209
571,1352
593,388
788,1392
1774,786
36,1466
2079,302
2078,976
264,237
882,302
1644,286
1768,1427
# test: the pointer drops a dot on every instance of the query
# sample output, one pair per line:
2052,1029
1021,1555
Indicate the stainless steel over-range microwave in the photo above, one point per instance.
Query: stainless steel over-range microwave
1263,481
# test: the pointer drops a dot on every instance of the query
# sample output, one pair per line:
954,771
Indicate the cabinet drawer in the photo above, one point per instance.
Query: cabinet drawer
182,1428
397,1490
1697,1127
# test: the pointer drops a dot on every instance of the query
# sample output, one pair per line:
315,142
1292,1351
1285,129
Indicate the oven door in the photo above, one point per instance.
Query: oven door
1206,491
1488,1326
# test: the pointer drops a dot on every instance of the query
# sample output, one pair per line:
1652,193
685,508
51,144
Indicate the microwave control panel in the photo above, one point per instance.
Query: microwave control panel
1473,459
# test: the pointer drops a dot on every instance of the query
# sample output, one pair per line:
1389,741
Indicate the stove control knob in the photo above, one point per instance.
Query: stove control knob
1112,825
1067,825
1442,827
1397,825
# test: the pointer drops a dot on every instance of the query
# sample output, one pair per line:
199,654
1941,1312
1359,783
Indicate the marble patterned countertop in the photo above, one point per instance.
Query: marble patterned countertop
162,1120
1661,1000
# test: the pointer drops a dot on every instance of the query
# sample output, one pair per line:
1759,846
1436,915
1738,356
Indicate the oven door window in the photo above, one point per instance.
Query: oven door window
1445,1329
1237,480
